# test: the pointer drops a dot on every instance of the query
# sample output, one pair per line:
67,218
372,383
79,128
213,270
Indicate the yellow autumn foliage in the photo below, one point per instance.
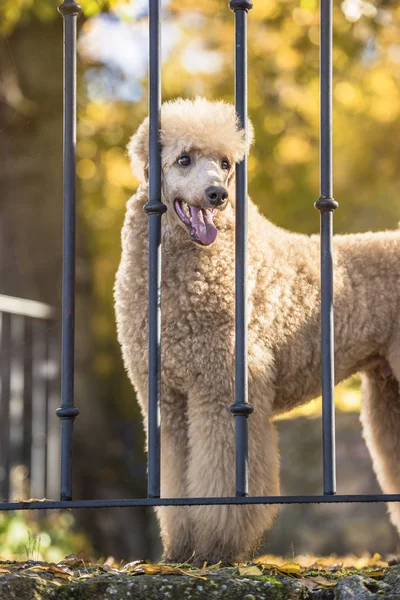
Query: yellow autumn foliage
283,93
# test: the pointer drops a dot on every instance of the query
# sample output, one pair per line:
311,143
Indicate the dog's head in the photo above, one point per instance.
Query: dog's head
201,144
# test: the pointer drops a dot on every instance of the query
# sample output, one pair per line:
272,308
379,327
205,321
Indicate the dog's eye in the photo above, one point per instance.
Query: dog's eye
225,165
184,161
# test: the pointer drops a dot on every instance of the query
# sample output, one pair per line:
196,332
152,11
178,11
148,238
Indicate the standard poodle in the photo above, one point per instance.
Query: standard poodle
201,143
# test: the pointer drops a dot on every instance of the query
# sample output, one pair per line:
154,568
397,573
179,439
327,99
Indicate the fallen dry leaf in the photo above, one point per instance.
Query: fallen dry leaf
109,562
269,566
290,569
141,568
335,567
149,569
216,566
322,581
52,568
251,570
72,560
376,561
192,574
131,565
308,583
375,573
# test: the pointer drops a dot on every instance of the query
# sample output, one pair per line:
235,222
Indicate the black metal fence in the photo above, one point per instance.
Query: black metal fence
29,396
241,409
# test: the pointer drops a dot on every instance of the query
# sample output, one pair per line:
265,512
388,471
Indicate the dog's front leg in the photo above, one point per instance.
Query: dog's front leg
227,533
175,526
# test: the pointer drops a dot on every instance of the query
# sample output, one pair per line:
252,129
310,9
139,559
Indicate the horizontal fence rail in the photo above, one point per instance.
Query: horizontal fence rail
26,308
127,503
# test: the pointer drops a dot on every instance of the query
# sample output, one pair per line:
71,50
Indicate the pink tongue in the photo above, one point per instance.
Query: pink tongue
203,224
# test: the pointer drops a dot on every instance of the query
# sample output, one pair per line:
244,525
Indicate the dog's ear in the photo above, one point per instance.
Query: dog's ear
138,150
247,145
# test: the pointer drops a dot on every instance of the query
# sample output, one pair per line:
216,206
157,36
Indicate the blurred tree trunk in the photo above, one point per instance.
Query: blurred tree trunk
31,261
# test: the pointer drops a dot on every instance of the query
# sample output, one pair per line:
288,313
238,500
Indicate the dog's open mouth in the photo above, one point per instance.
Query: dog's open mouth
198,220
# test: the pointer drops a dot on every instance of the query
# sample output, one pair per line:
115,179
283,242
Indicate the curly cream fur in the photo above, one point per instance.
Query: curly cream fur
198,446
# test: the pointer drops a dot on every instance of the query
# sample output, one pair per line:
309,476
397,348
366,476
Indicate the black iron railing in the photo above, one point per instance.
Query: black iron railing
29,378
67,413
326,205
241,409
155,209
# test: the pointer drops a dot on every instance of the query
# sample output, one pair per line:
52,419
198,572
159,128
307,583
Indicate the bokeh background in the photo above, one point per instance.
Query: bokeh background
283,180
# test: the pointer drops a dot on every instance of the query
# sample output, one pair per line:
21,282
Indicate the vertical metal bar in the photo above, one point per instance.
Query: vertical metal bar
27,398
16,406
326,205
38,416
67,413
53,435
46,375
241,409
5,381
154,209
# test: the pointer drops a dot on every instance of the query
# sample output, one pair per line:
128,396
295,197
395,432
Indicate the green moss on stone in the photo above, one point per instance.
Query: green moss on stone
268,578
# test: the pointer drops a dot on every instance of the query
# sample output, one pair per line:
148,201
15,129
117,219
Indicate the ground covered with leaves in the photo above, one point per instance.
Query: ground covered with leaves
305,578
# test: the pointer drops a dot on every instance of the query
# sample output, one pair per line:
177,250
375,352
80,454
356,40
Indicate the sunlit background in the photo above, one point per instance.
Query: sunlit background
197,50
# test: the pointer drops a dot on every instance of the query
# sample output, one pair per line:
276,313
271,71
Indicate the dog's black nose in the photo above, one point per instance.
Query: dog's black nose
216,195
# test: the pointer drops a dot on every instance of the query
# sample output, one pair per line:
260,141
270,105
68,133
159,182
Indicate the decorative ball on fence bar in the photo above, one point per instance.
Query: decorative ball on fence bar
69,7
240,4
